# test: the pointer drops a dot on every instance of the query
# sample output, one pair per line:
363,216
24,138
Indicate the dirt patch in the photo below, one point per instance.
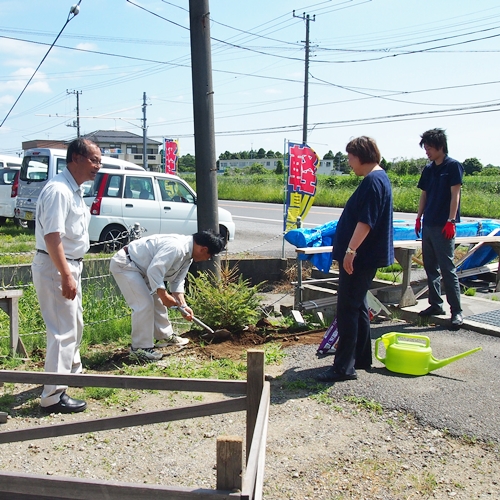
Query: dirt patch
322,443
235,346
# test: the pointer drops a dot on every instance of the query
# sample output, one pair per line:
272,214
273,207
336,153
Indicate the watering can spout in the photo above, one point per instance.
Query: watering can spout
434,363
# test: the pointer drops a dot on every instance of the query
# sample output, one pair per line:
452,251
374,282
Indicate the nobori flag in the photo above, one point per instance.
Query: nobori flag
301,183
171,148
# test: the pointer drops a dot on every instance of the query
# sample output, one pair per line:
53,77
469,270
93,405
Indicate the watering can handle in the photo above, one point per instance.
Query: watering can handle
413,336
377,342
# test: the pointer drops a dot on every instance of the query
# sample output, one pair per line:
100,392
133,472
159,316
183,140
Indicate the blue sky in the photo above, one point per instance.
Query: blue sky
390,69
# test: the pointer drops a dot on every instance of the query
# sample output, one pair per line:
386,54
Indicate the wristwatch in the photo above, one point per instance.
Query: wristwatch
350,250
453,221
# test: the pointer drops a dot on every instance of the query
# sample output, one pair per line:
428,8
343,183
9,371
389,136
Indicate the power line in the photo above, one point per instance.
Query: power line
75,9
379,119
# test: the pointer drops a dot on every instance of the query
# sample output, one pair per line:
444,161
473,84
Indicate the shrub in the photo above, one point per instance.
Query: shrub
227,302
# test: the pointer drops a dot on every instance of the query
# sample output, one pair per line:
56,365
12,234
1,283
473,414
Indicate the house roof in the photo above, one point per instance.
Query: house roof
118,137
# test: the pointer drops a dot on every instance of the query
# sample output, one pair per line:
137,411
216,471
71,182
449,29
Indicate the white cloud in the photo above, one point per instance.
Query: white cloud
87,46
6,100
21,77
20,53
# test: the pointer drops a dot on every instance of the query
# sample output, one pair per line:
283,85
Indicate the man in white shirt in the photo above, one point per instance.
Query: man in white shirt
62,239
141,269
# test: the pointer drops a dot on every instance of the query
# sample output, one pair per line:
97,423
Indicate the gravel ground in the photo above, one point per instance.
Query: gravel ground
383,436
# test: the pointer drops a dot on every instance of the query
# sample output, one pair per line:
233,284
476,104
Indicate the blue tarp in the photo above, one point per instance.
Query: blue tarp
403,230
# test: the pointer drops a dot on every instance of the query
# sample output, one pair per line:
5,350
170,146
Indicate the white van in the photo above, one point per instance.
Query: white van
41,164
159,203
9,168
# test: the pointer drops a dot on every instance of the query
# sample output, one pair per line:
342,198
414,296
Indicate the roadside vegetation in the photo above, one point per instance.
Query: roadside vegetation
229,302
480,193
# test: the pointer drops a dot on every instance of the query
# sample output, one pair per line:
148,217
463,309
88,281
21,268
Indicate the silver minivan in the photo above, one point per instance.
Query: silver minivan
9,169
41,164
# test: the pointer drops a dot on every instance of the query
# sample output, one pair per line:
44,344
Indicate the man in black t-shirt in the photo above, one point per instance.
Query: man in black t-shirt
440,182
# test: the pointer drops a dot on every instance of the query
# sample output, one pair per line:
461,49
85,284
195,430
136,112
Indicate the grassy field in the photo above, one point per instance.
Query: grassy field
480,194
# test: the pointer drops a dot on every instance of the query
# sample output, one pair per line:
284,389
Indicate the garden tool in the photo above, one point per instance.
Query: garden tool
196,320
411,354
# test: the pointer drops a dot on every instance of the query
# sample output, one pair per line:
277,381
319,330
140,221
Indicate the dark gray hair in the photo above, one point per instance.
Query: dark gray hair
79,146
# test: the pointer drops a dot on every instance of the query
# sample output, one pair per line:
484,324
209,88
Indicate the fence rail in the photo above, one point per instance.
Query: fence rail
254,397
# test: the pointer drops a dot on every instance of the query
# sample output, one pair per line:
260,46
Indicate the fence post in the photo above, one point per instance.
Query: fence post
229,462
255,385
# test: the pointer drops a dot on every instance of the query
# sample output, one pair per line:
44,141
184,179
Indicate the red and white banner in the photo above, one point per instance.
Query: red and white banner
171,150
301,183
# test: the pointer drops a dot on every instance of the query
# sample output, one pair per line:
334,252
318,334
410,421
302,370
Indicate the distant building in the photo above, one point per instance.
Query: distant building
325,167
44,143
113,143
127,146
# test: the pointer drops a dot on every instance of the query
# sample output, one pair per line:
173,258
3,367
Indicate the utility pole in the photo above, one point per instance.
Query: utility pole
204,129
144,133
307,19
77,92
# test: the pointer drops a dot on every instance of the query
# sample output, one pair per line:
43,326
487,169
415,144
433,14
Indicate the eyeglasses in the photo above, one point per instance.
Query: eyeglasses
95,161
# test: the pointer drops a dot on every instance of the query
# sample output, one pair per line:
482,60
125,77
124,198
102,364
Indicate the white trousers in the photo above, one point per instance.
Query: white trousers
149,315
63,320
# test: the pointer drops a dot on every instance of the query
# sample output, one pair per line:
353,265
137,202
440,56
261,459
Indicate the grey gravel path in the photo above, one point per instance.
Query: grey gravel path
462,397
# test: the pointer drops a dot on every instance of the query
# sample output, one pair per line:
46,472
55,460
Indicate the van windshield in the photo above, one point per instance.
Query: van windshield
34,168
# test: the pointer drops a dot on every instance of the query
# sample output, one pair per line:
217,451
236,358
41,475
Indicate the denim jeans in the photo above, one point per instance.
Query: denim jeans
438,254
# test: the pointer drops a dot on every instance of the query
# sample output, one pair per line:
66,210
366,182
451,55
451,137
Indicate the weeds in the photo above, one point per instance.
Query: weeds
105,314
366,404
273,353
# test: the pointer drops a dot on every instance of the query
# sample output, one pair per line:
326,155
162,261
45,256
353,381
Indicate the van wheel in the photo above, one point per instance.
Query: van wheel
31,225
113,238
3,220
20,223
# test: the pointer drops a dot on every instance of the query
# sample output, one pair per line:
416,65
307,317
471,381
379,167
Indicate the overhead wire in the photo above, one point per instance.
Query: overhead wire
72,13
161,64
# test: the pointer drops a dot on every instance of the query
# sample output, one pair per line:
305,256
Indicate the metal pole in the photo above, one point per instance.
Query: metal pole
203,112
77,92
144,134
307,19
306,85
78,113
300,289
285,172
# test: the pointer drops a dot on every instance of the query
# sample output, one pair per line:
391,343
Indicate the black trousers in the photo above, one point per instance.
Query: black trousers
354,349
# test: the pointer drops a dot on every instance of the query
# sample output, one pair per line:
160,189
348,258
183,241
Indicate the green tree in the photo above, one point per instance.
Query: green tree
490,170
329,156
279,168
256,168
261,153
187,163
270,154
340,162
472,165
408,167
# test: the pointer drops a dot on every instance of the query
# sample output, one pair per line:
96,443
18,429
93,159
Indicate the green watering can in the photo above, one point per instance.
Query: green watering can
412,357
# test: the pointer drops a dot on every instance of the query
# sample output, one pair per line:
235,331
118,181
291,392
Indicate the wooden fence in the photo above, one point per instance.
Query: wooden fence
233,482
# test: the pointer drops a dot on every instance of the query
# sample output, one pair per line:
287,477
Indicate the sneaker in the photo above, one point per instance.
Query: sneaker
173,340
457,321
145,353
